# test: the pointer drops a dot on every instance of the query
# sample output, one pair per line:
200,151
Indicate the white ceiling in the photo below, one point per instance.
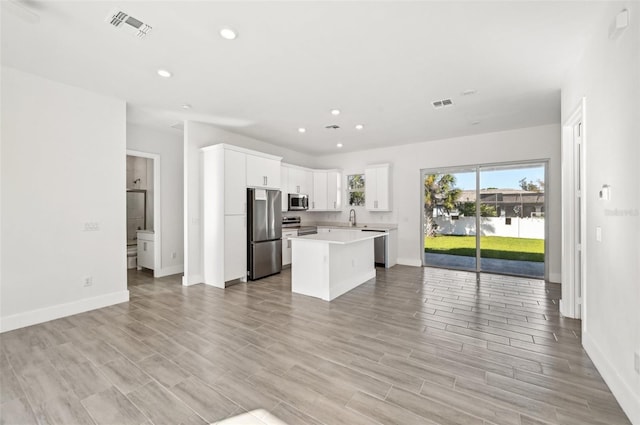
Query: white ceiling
381,63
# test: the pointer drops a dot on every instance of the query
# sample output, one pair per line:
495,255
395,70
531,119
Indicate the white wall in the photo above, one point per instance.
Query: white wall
63,165
609,77
535,143
169,145
197,135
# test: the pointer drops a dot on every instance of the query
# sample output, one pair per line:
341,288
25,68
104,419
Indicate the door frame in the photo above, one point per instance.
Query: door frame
157,219
477,169
573,301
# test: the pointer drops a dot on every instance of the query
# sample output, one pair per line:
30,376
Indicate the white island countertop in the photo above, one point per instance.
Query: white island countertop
340,237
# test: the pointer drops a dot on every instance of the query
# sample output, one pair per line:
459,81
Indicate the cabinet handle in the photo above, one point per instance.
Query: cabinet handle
298,189
334,205
313,204
288,243
145,246
264,180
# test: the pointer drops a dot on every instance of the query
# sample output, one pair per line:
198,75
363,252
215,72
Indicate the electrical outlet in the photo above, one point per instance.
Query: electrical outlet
636,362
88,281
174,255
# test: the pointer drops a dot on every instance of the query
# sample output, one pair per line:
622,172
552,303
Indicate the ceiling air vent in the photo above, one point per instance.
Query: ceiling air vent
437,104
122,20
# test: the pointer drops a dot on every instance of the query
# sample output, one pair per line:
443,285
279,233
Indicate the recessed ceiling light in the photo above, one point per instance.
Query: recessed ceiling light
302,130
164,73
228,34
359,126
339,145
186,106
335,112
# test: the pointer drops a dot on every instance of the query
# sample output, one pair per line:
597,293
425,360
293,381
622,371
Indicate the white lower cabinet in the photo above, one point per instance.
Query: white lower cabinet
286,246
235,247
146,250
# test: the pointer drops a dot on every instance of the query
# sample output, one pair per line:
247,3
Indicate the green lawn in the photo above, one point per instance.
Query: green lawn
490,247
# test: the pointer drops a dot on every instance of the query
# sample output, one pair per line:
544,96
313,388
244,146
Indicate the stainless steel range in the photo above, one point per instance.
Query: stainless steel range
293,222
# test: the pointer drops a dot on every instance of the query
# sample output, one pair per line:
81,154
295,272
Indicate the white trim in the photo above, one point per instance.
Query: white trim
624,394
41,315
168,271
219,146
555,277
410,261
157,219
185,204
192,280
569,304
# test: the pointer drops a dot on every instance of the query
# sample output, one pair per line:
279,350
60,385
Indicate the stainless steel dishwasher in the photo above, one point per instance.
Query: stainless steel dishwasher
380,247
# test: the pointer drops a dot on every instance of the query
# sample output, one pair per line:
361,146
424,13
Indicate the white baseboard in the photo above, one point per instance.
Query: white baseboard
168,271
33,317
555,277
622,391
192,280
410,262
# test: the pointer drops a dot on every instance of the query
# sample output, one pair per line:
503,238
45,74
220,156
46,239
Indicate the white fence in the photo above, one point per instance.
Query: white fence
492,226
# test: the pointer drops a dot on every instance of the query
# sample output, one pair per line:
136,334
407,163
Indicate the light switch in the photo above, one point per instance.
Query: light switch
599,234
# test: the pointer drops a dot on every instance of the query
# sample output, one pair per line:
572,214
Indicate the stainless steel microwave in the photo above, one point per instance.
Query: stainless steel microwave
298,202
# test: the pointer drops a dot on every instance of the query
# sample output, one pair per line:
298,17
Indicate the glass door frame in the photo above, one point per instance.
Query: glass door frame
477,167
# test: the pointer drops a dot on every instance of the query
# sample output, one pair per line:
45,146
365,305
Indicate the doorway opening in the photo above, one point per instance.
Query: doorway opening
143,215
486,218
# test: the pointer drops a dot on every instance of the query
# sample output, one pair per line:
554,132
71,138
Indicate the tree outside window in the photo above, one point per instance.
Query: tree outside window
355,189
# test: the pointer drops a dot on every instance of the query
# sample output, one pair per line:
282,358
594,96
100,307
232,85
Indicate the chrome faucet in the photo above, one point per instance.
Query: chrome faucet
352,217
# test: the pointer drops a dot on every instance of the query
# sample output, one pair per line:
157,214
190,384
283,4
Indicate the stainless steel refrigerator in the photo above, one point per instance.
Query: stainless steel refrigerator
264,232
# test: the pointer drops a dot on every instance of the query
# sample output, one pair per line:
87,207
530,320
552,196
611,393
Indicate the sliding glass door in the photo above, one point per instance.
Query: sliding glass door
486,218
449,237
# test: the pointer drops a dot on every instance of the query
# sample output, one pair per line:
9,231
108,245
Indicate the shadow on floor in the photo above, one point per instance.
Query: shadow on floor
493,265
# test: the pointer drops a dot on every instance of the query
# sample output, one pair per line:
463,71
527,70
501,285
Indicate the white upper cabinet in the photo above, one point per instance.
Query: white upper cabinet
327,191
263,172
284,183
300,181
334,190
378,187
319,200
235,182
295,179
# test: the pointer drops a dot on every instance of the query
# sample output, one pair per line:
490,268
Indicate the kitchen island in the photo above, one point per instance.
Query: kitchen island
327,265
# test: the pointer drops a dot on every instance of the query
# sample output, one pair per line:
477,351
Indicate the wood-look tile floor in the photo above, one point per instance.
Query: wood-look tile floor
413,346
